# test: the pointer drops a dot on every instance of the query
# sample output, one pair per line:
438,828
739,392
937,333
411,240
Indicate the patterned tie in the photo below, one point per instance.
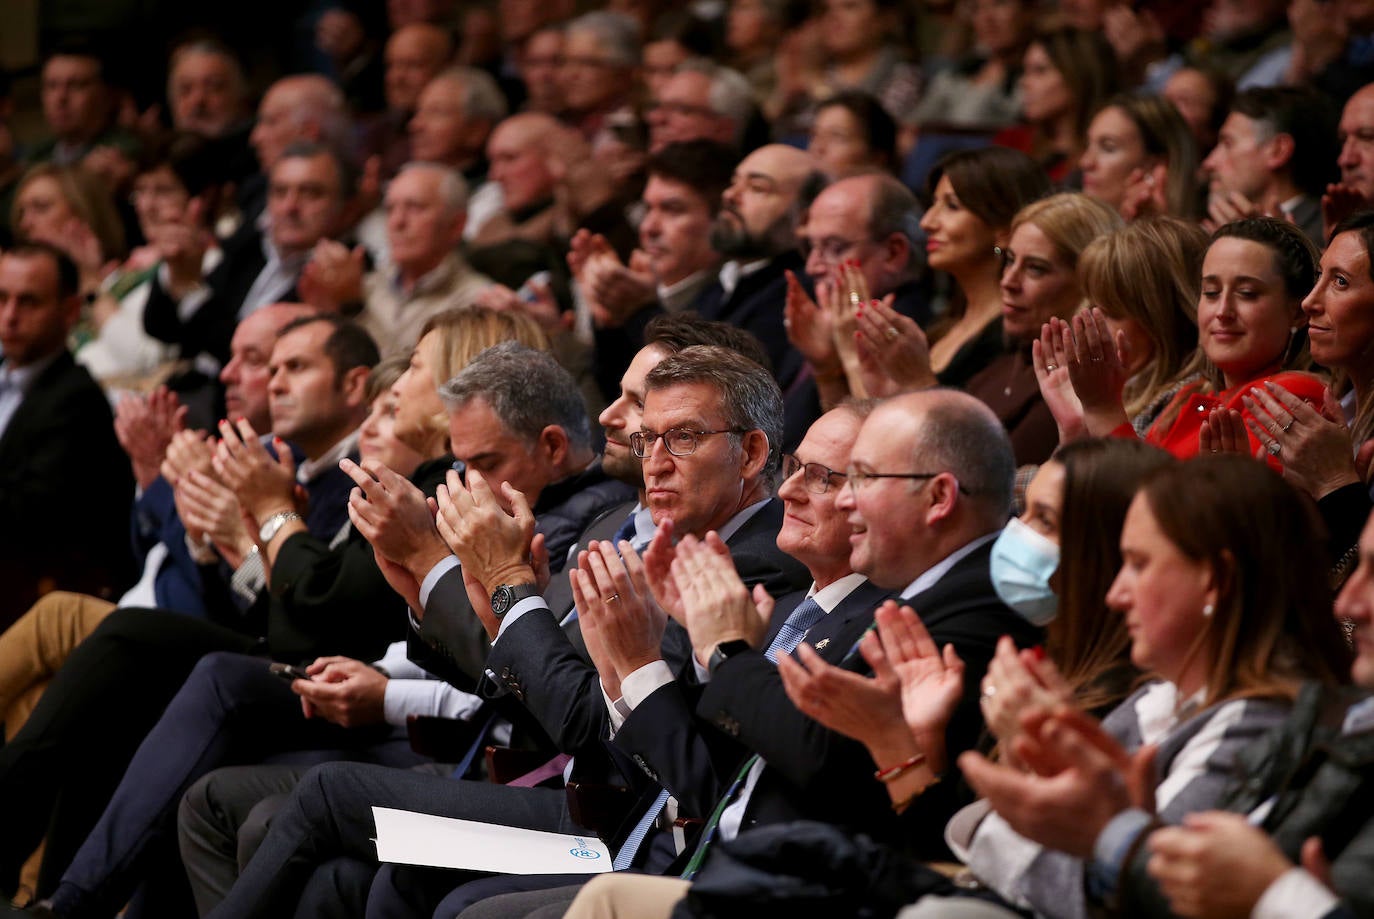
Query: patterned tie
626,855
807,614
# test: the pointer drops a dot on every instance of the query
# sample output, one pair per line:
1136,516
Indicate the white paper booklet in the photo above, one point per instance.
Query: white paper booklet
407,838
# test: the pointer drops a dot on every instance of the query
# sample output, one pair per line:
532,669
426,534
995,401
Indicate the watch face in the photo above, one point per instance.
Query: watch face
500,599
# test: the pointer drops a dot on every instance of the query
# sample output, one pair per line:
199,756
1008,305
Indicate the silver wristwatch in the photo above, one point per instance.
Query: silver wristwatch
272,524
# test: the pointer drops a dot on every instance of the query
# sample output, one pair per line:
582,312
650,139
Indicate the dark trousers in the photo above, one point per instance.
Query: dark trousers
329,817
59,771
230,710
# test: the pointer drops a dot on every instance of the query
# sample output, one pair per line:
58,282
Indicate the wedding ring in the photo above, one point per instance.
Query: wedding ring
613,598
989,691
1273,447
1285,428
854,299
1051,367
890,333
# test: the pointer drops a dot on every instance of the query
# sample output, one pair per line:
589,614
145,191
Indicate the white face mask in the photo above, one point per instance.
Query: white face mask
1023,561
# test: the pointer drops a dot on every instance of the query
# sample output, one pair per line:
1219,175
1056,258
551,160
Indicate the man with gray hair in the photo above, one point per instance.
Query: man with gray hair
206,90
701,101
426,209
601,53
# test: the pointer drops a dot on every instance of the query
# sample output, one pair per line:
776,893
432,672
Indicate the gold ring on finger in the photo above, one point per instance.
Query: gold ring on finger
854,298
890,333
1285,428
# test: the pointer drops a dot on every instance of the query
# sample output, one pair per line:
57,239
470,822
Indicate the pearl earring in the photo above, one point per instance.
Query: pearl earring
1207,610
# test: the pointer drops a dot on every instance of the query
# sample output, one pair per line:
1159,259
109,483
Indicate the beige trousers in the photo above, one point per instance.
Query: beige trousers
628,896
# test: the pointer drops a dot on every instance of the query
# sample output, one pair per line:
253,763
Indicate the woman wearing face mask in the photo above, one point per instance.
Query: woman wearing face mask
1250,332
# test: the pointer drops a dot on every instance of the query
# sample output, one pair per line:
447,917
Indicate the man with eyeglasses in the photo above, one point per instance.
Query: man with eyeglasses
701,101
929,481
871,220
695,429
532,659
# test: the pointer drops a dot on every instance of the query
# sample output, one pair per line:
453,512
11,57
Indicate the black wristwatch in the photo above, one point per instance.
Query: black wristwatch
724,651
505,596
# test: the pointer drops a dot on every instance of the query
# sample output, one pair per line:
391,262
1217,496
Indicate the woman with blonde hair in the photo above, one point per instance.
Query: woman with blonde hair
1144,278
73,210
1142,158
1039,282
447,343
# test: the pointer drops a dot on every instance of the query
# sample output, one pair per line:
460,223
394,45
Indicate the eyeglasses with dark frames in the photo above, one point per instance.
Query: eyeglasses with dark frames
679,441
816,476
858,478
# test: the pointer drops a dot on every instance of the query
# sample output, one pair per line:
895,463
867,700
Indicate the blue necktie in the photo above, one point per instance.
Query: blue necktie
626,531
807,614
641,829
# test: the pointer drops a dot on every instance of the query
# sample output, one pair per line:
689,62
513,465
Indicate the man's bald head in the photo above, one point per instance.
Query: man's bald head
758,210
305,107
519,152
414,54
1356,134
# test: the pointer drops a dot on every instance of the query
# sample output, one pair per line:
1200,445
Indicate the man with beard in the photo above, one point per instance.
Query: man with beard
755,232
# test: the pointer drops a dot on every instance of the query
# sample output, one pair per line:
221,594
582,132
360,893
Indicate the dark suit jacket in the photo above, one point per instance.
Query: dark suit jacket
211,327
694,758
537,664
451,641
755,305
65,491
816,774
335,600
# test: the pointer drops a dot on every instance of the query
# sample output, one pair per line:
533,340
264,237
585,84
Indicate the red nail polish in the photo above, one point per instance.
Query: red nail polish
1039,652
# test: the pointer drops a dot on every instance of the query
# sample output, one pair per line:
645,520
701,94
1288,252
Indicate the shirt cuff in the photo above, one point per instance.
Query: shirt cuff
641,684
435,573
428,698
1113,844
526,605
616,709
1295,895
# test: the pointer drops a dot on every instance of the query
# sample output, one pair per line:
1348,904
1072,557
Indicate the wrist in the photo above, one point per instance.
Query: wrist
261,513
514,575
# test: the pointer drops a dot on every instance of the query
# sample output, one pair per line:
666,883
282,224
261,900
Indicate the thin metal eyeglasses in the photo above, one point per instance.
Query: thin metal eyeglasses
858,478
679,441
817,477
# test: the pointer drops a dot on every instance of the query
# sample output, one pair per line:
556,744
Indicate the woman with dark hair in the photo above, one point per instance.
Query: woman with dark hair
1067,75
852,133
973,195
1077,499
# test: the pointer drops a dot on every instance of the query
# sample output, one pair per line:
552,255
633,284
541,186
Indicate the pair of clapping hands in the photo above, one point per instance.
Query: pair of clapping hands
844,333
223,489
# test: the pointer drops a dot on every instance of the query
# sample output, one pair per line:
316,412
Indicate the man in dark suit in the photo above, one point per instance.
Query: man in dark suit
65,484
728,483
308,187
930,481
